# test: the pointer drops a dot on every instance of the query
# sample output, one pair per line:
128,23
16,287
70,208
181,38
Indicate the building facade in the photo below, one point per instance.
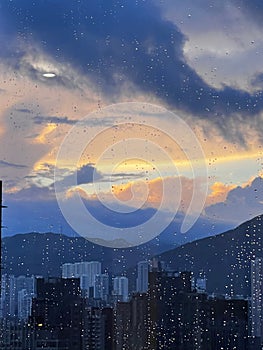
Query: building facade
142,277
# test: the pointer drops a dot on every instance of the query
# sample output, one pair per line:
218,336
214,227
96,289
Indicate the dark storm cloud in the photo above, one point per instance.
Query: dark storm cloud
252,8
128,175
53,119
87,173
92,122
258,80
11,165
23,110
112,41
84,175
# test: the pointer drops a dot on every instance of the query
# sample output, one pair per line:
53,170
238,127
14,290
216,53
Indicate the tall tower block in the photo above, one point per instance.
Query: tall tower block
1,207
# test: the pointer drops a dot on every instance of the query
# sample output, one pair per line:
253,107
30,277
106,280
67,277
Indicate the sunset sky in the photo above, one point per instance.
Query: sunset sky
63,63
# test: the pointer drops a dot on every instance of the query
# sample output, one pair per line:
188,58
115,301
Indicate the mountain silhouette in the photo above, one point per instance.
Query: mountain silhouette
224,258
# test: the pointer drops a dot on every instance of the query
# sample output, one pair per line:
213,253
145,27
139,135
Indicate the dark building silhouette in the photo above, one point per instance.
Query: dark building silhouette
98,329
138,322
167,302
131,323
14,335
62,319
227,324
122,326
58,314
1,207
179,318
108,316
172,316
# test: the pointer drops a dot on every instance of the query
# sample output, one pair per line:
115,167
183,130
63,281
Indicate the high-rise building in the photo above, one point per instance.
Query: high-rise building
257,298
61,320
58,314
123,326
121,288
86,271
101,288
14,289
92,269
98,329
1,207
93,337
179,318
166,307
11,297
24,304
226,324
142,277
138,322
14,335
200,285
68,270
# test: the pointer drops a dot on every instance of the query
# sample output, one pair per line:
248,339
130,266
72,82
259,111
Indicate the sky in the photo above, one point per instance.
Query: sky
130,105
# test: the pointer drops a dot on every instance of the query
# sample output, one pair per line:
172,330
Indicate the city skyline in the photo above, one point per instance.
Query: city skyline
47,89
131,158
52,311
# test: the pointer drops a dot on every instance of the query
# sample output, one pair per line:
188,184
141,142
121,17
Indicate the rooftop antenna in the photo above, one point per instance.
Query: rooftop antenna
1,207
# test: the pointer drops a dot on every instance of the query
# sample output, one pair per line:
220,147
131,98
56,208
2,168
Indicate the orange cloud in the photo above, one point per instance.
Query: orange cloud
42,137
167,192
219,193
77,190
137,191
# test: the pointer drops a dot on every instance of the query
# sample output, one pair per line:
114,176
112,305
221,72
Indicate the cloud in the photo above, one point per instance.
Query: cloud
24,110
219,193
241,203
127,176
32,193
123,46
257,80
252,9
35,208
38,215
12,165
35,63
18,153
93,122
87,173
53,119
84,175
149,194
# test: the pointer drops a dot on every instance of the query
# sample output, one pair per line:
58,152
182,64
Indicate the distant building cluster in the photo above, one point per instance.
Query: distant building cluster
16,296
86,308
86,272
